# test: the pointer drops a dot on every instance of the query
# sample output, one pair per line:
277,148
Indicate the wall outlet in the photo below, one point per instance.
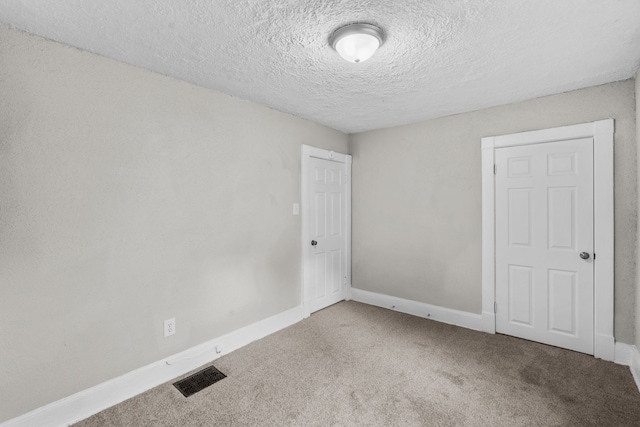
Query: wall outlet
169,327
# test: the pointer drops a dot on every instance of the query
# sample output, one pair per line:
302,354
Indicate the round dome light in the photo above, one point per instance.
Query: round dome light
356,42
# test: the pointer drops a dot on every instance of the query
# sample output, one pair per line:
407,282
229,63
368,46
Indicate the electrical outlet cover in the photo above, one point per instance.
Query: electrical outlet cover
169,327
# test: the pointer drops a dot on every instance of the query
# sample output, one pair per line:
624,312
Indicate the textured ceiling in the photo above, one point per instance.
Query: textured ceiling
440,56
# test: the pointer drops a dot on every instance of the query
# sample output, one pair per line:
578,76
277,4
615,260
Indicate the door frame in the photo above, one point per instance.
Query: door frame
309,152
603,192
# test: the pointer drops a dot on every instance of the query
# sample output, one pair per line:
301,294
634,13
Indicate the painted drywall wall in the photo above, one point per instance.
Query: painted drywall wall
127,198
417,198
637,93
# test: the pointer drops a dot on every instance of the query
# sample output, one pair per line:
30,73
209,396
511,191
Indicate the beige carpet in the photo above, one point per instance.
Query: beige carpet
353,364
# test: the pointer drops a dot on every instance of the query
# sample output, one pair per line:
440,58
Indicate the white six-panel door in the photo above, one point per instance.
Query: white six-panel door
326,269
544,231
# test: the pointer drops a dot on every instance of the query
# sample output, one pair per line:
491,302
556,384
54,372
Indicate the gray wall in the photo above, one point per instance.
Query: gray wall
638,239
417,198
128,198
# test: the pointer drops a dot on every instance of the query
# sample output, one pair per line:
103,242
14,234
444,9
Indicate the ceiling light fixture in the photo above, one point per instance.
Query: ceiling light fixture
356,42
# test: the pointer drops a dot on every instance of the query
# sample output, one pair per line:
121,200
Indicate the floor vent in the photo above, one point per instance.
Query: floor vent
199,381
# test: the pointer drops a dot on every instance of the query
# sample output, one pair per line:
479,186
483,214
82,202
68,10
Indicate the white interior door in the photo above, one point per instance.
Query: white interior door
544,243
326,250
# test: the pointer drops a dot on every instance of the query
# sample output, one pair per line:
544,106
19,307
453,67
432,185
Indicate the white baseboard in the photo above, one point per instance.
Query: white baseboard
102,396
488,322
605,347
635,366
420,309
623,354
628,355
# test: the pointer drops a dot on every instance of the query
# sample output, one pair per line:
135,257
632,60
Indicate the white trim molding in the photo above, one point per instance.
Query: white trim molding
309,152
602,132
419,309
623,353
628,355
635,366
88,402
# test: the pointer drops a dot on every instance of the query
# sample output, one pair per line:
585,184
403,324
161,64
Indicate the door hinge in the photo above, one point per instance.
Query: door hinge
594,256
495,308
495,169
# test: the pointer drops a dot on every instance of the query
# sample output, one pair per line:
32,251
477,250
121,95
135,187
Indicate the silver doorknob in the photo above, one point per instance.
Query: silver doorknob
584,255
313,243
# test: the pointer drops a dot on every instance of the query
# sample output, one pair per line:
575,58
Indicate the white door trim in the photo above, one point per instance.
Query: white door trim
602,133
309,152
